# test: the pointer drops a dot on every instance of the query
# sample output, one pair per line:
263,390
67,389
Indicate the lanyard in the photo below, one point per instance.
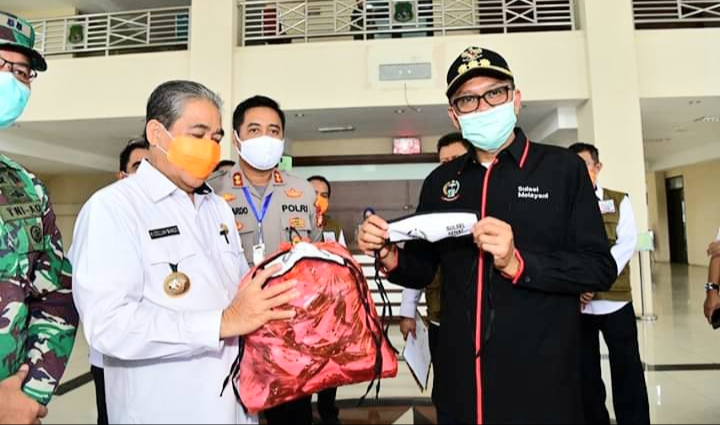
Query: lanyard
258,216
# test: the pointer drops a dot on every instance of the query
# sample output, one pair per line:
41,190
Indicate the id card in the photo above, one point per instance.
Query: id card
258,254
607,207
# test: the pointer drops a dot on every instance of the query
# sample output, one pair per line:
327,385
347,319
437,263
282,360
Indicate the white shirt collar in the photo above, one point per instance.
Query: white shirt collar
599,192
156,184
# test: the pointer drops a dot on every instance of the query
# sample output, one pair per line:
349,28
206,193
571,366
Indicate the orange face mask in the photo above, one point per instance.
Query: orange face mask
322,205
198,157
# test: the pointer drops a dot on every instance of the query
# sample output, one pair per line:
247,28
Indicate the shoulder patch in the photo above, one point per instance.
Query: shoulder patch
293,193
237,179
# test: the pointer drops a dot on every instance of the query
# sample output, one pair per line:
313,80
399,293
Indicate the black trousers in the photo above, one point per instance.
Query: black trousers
294,412
98,375
327,409
628,380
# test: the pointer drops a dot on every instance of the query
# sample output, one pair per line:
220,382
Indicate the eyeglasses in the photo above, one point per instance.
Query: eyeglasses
22,71
493,97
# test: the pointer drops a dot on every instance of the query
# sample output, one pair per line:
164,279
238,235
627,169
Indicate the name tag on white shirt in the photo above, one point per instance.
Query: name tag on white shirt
607,207
329,237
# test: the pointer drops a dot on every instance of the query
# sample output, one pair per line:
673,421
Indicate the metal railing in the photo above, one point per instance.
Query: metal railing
676,13
114,32
305,20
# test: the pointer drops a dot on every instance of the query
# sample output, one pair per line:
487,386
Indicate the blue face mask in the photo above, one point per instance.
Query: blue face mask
14,97
489,130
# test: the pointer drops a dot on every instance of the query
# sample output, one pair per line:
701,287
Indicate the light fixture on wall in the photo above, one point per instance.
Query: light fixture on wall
708,118
336,129
658,140
400,111
299,115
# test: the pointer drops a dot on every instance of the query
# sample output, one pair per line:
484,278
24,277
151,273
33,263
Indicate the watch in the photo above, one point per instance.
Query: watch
712,286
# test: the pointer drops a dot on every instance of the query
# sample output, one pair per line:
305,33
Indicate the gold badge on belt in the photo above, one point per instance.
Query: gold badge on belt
176,283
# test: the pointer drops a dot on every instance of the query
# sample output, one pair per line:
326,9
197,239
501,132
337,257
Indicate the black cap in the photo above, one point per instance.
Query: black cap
474,62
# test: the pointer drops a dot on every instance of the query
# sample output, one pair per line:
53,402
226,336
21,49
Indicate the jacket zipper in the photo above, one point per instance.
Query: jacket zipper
478,307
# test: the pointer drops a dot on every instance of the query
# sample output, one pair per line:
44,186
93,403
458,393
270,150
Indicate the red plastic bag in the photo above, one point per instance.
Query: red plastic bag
335,339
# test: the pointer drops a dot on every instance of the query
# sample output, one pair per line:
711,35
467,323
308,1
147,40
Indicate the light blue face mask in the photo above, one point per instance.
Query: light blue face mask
14,96
489,130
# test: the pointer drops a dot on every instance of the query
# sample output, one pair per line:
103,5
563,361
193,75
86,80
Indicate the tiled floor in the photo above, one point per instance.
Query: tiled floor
680,340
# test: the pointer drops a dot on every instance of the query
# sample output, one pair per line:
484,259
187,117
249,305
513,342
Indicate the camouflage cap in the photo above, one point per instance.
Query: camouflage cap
18,35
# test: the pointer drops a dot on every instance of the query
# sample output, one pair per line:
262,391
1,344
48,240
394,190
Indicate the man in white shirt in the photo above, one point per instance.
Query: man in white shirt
157,268
612,314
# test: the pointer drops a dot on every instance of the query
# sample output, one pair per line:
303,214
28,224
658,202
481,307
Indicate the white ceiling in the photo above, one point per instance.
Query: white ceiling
385,122
669,126
670,131
105,137
87,6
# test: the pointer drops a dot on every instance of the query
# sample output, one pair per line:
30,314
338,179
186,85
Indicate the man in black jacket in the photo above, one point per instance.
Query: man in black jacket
511,293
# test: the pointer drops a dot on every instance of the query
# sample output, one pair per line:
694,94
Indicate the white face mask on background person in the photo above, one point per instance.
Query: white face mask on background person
262,153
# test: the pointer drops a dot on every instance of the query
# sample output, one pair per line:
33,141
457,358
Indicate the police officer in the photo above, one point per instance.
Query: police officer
37,318
510,344
270,206
157,268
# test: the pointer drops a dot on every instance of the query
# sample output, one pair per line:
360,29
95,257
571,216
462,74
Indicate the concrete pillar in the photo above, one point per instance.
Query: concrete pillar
611,119
213,36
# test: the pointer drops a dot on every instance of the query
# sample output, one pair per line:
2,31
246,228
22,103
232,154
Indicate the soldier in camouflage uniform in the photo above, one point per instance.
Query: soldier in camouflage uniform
37,317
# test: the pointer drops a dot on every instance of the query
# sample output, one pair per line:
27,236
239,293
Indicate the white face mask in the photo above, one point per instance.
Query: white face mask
262,153
432,227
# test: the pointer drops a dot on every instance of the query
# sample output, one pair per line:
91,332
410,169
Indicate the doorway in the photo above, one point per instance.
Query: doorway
677,219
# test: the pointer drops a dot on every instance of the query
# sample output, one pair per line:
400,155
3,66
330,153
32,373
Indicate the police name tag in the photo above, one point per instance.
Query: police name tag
607,207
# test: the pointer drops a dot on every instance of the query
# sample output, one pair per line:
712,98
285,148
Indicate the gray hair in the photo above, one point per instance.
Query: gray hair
168,100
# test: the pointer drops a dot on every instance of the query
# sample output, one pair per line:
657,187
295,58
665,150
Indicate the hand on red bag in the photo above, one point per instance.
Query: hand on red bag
254,306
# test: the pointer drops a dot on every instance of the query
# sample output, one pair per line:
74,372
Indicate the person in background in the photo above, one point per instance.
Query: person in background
712,297
331,229
449,147
611,313
38,320
331,232
132,155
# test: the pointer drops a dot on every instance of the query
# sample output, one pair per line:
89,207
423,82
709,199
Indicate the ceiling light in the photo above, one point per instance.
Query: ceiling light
399,111
708,118
337,129
299,115
658,140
